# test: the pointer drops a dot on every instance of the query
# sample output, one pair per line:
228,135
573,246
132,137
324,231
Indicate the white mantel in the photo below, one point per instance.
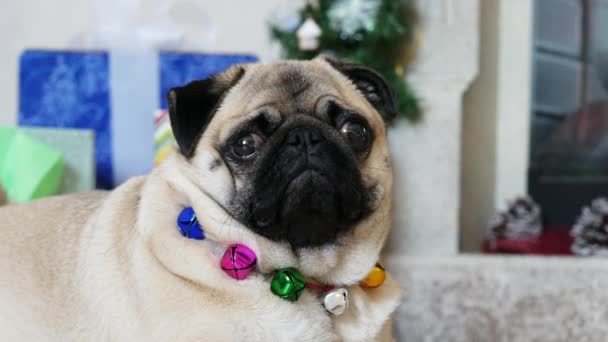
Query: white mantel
469,154
496,117
501,299
427,154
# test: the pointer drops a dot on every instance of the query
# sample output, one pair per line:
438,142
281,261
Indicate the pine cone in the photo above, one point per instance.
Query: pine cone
590,232
521,220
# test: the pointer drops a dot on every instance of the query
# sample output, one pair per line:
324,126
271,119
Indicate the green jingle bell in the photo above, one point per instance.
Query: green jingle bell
288,283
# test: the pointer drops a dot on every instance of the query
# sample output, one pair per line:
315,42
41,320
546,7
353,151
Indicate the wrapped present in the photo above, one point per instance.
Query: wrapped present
29,169
113,94
78,149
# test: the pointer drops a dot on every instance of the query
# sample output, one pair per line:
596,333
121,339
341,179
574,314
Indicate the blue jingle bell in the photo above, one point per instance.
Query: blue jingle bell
188,225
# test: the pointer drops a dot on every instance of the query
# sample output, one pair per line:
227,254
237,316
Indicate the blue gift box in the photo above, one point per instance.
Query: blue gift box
114,94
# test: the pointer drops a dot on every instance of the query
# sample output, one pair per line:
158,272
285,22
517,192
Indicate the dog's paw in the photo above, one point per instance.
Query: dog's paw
368,317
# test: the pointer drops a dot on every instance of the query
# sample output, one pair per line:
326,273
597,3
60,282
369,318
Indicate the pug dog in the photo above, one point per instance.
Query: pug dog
288,158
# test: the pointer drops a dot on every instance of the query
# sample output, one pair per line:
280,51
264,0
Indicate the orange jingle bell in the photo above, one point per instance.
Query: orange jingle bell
375,277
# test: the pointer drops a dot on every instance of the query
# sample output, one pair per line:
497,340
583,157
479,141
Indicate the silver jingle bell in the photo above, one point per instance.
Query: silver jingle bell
336,301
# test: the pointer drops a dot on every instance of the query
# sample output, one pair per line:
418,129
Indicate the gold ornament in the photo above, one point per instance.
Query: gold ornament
375,277
412,50
399,70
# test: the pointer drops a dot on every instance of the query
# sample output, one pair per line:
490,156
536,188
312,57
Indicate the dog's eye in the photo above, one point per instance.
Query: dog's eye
246,146
357,135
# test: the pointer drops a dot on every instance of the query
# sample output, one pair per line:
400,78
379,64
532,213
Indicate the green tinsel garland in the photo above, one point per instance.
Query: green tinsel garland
380,45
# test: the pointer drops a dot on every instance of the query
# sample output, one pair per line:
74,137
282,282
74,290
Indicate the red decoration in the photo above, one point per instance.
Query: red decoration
552,241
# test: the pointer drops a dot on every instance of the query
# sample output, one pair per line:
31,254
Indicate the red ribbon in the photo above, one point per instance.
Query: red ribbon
324,288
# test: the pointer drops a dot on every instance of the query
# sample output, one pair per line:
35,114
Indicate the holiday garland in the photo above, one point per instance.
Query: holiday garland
376,33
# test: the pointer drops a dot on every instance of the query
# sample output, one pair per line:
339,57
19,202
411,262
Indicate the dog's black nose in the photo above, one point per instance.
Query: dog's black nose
304,139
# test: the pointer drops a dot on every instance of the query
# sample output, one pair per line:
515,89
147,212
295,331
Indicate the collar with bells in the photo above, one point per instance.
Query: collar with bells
238,261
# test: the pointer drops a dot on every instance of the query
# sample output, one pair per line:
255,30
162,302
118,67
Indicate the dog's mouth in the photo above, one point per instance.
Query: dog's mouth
310,204
305,176
310,211
291,196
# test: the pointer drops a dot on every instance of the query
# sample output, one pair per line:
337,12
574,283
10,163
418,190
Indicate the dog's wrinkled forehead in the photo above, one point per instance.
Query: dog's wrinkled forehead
281,88
288,87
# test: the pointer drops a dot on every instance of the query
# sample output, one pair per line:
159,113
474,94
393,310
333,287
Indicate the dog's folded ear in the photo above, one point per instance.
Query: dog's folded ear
370,83
192,106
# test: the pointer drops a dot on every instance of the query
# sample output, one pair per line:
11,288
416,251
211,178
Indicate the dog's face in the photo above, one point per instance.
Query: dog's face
296,150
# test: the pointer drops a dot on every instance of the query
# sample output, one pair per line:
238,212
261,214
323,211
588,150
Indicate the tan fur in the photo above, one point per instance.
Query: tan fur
113,266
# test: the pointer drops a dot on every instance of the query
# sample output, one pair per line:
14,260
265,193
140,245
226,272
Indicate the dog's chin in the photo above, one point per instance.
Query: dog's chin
312,212
309,215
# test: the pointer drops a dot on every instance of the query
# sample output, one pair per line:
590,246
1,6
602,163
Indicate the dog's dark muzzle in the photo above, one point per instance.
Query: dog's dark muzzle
311,194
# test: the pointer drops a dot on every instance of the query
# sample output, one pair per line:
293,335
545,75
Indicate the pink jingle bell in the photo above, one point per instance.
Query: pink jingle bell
238,261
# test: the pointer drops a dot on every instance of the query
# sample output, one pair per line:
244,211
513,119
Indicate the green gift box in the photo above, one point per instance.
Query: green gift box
29,169
78,149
